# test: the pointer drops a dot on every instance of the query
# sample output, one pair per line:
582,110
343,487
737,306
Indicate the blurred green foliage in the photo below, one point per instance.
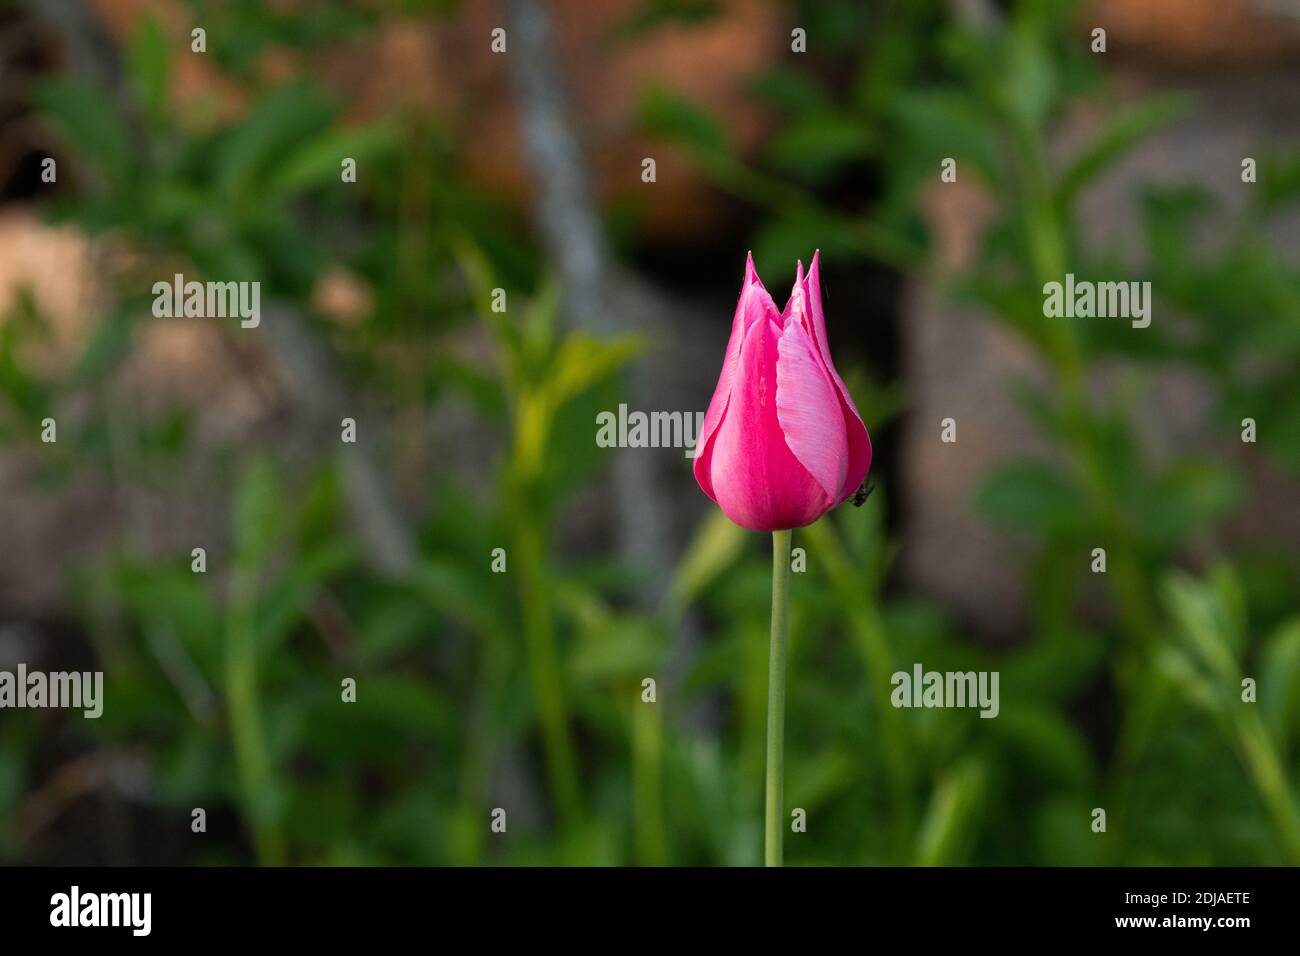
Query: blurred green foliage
471,684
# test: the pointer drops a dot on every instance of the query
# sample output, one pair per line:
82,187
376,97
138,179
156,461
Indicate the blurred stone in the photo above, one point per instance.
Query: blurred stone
958,364
1199,35
49,530
342,297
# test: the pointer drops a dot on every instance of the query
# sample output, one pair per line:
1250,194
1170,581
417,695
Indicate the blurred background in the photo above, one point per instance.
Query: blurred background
774,126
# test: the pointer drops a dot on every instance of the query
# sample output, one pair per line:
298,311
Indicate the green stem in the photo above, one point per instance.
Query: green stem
1269,776
774,817
544,667
647,784
252,763
873,642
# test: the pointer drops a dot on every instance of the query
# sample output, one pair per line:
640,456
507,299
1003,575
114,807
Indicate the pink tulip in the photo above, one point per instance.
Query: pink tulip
782,442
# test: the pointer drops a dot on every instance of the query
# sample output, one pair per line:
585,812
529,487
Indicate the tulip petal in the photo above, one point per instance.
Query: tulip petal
809,412
758,481
754,303
859,462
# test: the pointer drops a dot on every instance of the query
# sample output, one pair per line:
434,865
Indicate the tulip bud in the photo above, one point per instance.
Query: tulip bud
782,442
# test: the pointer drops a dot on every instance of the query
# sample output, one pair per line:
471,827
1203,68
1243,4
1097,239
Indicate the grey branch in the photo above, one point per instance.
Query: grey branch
566,208
571,231
605,301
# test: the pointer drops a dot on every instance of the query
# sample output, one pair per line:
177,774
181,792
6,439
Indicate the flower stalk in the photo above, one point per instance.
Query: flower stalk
781,444
773,853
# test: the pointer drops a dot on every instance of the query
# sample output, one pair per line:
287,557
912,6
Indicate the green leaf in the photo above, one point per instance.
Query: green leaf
942,123
1121,131
1051,747
1062,833
1187,498
581,362
109,343
1033,497
394,705
173,601
1054,668
479,385
1277,182
148,65
1181,670
1027,81
664,113
817,780
948,829
627,648
89,121
1205,622
789,89
463,594
815,145
258,513
270,139
652,15
714,547
1279,682
318,162
396,625
285,603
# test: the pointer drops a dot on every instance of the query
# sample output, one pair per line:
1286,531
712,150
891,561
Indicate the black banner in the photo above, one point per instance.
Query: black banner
338,905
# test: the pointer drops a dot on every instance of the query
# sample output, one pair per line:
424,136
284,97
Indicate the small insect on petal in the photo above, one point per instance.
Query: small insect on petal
862,494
